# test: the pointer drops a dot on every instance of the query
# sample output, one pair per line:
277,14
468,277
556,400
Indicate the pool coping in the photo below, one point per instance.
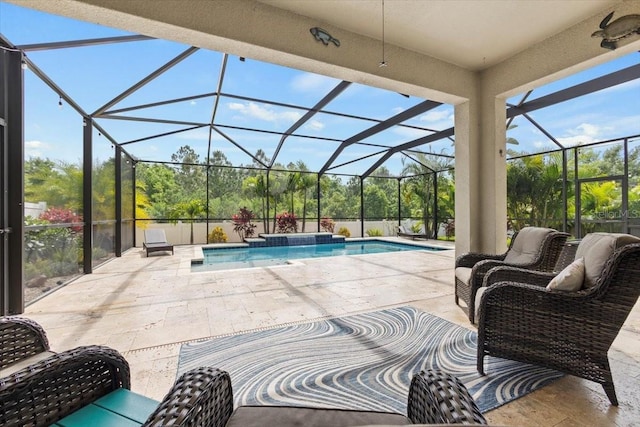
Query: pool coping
389,239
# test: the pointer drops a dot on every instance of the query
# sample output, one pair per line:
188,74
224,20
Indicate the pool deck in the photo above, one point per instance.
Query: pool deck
146,307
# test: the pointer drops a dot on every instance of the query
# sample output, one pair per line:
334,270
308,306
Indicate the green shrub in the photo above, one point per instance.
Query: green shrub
344,231
217,235
374,232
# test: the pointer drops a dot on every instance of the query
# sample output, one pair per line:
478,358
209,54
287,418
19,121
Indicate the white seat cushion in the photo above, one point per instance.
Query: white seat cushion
596,248
570,279
527,245
479,293
463,274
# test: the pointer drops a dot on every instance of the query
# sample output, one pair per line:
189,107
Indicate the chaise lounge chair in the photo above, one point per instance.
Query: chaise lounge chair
156,241
404,232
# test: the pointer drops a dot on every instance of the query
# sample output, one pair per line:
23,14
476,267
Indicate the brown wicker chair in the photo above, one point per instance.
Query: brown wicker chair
22,343
49,390
533,248
52,389
519,319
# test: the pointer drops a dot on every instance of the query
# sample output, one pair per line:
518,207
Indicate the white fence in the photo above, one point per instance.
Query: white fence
180,233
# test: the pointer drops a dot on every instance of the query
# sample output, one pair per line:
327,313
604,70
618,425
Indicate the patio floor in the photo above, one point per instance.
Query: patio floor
146,307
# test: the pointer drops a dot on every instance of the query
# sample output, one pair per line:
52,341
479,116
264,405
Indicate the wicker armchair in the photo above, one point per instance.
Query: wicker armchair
22,342
51,389
533,248
519,319
439,398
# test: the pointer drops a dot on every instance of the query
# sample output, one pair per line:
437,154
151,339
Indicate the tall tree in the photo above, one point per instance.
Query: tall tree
191,173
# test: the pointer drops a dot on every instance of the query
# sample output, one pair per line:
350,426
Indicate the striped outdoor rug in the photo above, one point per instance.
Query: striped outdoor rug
364,361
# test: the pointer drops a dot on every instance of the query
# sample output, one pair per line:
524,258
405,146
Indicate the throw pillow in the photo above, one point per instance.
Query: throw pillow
570,279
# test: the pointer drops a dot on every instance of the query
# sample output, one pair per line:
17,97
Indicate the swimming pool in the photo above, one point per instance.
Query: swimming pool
229,259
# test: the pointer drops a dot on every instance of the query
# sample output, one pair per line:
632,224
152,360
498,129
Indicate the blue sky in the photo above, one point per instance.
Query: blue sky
94,75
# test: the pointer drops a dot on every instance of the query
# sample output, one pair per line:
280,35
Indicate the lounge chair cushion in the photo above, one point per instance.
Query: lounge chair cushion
463,274
570,279
596,249
283,416
527,245
479,293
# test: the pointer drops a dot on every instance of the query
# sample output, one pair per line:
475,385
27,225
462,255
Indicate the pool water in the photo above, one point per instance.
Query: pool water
228,259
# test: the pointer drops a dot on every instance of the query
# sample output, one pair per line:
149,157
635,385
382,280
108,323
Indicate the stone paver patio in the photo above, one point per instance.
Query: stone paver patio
146,307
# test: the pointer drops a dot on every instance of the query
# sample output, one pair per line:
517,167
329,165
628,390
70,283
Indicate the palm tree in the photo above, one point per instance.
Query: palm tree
305,182
192,210
257,186
420,184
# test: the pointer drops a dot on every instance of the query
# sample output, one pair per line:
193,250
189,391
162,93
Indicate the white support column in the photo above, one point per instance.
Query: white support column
480,176
466,177
492,190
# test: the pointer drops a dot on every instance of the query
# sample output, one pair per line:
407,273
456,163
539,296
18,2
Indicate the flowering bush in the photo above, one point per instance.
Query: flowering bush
286,223
62,216
242,223
327,224
217,235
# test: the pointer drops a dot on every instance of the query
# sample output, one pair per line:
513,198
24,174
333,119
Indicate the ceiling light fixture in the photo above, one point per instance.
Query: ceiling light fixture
382,63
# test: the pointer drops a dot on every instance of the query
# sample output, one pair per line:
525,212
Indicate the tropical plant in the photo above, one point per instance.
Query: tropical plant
286,222
450,229
55,250
242,223
327,224
55,215
305,181
191,210
257,186
418,187
217,235
374,232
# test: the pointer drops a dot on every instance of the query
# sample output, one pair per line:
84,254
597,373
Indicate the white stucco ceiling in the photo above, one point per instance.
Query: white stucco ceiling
471,34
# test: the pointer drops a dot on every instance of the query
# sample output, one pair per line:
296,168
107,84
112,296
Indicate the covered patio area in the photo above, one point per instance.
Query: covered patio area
146,307
475,57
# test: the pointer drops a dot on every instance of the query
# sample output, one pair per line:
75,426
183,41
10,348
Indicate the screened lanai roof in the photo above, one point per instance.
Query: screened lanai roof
153,96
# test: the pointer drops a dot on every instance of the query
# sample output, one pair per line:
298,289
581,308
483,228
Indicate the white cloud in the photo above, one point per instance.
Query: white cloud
411,133
35,148
193,103
584,133
587,129
256,111
308,82
397,110
437,116
34,144
315,125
